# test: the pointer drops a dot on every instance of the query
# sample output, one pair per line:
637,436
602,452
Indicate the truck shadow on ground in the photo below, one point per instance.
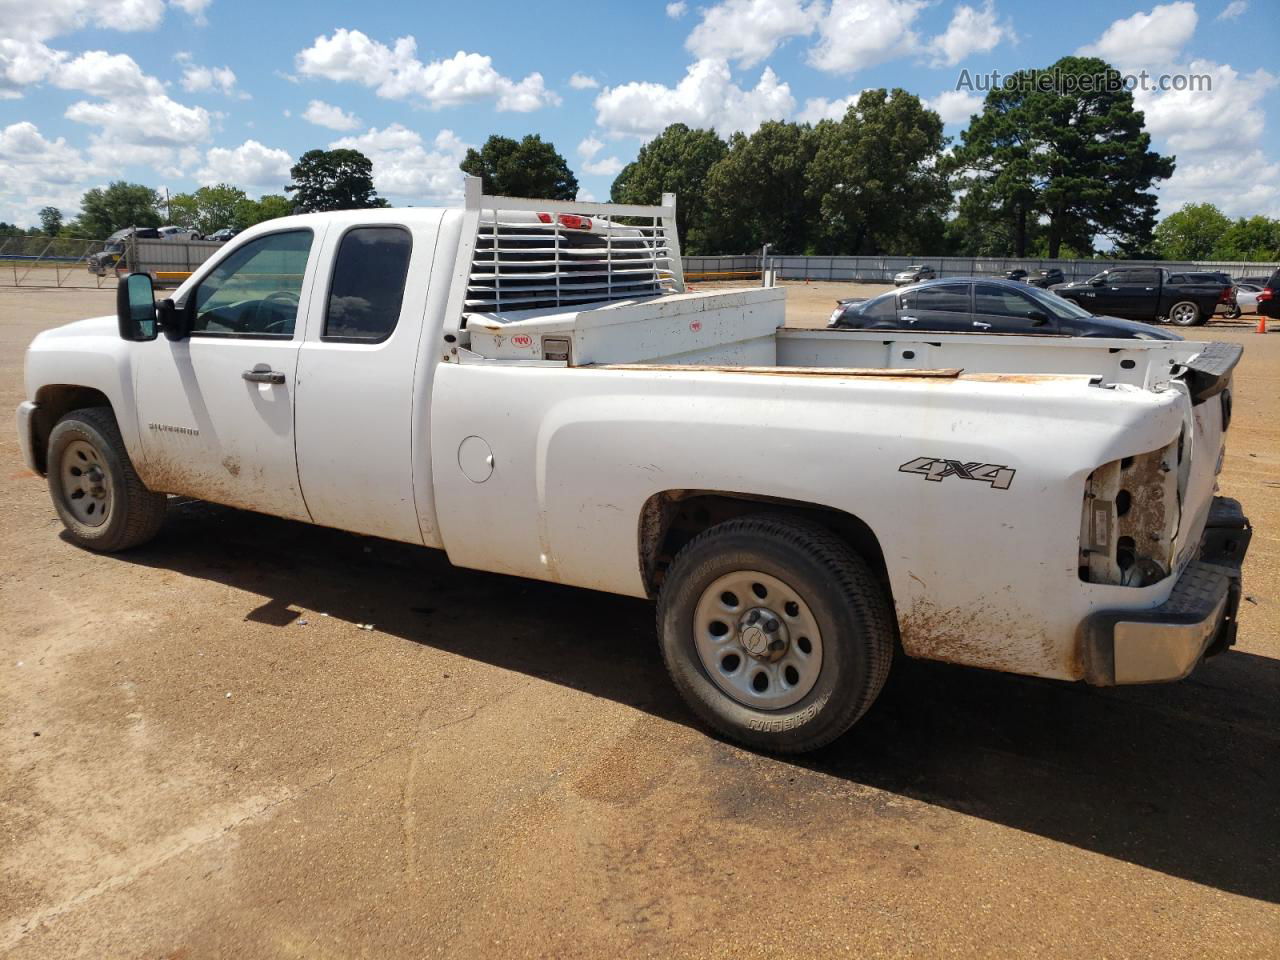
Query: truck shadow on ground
1182,778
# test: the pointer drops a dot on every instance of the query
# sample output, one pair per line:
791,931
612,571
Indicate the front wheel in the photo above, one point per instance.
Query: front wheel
776,633
1184,313
95,490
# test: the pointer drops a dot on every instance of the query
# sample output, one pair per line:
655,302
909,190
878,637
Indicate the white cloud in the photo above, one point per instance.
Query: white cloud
405,170
1146,39
581,81
250,165
748,31
194,9
1224,118
327,115
955,106
39,21
1233,10
817,109
971,30
705,97
23,63
154,119
36,171
675,11
396,73
588,150
856,34
1253,179
198,79
103,74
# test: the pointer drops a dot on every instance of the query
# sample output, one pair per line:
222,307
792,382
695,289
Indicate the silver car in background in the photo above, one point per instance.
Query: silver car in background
914,274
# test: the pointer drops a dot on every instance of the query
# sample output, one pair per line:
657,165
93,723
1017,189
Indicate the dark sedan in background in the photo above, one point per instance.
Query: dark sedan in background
960,305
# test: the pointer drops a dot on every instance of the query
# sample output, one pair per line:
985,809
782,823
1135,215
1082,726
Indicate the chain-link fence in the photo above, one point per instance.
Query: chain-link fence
882,269
55,262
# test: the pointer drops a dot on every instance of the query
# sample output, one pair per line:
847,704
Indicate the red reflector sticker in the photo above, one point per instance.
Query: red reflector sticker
522,340
695,325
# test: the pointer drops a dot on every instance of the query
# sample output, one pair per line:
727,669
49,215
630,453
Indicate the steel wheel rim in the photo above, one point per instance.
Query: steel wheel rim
729,640
86,484
1183,314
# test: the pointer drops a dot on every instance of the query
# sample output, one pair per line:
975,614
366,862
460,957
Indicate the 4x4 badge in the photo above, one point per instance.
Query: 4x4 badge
931,468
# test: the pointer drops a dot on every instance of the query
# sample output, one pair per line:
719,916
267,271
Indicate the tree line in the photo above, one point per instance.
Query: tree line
1053,161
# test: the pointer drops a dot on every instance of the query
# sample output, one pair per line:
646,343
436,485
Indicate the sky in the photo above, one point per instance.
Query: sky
186,92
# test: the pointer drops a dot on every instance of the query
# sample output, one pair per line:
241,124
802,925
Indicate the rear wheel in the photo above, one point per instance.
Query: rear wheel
1184,313
95,490
776,633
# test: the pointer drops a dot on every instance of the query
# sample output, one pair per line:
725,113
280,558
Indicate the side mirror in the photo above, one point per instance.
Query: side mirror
136,307
1038,318
1098,282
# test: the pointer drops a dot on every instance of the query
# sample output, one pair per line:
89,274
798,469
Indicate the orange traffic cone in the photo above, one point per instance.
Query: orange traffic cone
1262,325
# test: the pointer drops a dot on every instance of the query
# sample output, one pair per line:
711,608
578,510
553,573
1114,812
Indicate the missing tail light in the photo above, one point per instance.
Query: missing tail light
1130,518
570,221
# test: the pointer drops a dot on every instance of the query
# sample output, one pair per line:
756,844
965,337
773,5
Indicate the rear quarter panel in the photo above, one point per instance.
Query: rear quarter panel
979,575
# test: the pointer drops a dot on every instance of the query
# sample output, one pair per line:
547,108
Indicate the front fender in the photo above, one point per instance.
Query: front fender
88,353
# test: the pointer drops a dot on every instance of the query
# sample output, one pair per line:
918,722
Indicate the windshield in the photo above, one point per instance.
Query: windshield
1058,306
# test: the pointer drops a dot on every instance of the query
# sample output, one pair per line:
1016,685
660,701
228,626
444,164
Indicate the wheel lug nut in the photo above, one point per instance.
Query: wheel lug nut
771,626
753,616
776,644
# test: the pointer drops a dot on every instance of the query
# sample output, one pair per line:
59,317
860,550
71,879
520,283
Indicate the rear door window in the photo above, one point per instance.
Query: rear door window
943,298
367,290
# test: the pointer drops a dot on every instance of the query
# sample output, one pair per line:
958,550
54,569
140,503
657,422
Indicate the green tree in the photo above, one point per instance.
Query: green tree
119,205
1192,233
527,168
333,180
50,220
268,207
679,161
876,176
1050,143
757,193
182,210
216,207
1257,238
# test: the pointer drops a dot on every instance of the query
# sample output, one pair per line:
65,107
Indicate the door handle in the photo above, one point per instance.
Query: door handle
263,376
909,319
981,326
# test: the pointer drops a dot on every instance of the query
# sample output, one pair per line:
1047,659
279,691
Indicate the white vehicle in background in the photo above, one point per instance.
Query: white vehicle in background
528,386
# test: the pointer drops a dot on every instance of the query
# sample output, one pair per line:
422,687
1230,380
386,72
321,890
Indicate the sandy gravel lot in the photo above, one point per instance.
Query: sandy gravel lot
202,755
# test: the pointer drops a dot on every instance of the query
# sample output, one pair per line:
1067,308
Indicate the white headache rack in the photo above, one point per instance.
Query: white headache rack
527,254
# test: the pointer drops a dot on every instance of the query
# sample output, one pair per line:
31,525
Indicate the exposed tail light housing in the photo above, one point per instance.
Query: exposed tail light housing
570,221
1265,293
1228,295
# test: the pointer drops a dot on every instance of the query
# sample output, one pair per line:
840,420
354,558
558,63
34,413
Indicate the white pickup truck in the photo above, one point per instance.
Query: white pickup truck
528,386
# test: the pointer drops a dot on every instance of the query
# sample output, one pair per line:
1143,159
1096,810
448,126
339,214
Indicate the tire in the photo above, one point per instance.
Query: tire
1235,313
88,441
807,571
1185,313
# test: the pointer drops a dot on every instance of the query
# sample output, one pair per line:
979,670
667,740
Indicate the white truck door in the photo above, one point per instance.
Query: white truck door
215,409
356,378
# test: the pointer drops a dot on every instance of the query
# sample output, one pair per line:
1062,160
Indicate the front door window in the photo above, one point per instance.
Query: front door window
254,292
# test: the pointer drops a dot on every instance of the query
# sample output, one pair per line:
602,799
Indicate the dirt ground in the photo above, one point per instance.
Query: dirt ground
202,754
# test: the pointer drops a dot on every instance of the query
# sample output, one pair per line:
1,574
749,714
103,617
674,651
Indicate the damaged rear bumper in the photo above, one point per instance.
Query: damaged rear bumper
1198,620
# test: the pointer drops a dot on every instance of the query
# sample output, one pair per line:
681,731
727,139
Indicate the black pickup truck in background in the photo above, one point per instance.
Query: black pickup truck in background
1152,294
